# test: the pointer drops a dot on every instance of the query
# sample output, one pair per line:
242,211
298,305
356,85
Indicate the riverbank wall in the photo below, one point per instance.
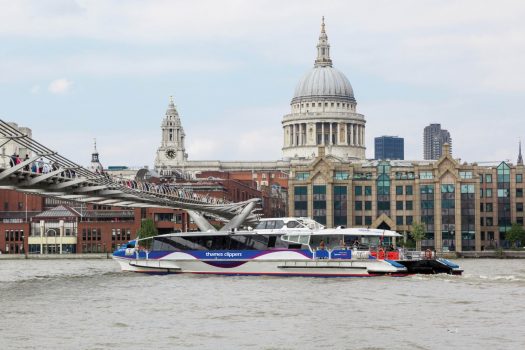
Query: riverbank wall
55,256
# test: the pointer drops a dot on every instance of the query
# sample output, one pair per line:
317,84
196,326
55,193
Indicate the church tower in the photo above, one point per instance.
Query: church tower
171,152
95,165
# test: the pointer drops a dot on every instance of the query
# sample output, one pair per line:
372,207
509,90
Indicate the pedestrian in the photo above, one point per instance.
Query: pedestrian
41,166
26,168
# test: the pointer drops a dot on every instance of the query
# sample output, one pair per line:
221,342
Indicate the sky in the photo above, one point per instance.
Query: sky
73,71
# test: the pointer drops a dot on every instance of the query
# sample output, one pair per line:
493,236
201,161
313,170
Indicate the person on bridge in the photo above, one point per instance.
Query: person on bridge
26,168
40,165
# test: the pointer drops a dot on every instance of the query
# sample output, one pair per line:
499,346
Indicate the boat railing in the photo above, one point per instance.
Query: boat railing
412,254
341,252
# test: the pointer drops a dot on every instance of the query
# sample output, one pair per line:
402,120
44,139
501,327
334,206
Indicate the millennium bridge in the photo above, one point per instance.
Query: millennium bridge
45,172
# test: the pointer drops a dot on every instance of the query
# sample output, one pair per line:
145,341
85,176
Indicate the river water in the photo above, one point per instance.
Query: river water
90,304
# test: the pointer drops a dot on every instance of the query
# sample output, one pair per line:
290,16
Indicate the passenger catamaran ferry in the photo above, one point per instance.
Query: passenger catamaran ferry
279,247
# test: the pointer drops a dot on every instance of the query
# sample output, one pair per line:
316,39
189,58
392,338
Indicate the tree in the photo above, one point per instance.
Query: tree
147,229
515,235
418,233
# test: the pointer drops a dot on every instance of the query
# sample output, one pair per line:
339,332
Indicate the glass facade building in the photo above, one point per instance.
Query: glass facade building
462,206
389,147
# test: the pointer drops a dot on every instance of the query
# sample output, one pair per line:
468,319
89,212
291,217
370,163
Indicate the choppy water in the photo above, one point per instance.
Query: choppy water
90,304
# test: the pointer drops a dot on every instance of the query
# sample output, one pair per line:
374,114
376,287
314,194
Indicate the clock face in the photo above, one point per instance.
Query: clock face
170,153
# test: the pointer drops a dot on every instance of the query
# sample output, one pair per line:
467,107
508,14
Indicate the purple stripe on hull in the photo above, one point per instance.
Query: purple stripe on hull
224,264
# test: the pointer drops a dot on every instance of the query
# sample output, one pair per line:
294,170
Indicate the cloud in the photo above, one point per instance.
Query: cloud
60,86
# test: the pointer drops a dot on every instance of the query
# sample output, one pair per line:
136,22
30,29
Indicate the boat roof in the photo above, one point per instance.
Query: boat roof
356,231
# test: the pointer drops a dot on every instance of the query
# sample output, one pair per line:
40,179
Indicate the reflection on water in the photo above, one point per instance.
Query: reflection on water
90,304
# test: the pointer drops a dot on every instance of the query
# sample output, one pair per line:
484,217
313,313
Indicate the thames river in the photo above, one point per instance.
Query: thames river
90,304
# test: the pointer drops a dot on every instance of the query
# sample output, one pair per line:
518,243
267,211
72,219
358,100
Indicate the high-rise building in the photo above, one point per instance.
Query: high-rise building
433,140
389,147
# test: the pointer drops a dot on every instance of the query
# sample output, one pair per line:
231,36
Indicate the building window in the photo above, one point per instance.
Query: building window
410,220
20,205
519,192
488,192
300,201
408,190
302,175
319,204
519,178
399,190
399,220
341,175
358,205
368,190
488,178
425,175
340,208
488,207
368,205
408,205
519,207
358,190
368,220
399,205
358,220
465,174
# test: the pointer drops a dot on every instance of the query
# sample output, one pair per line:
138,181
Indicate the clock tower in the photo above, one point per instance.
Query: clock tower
171,153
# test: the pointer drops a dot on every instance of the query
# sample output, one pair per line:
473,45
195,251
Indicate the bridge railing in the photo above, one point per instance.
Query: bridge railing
47,161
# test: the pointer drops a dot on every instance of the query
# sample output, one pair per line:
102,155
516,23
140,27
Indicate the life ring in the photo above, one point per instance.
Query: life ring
428,254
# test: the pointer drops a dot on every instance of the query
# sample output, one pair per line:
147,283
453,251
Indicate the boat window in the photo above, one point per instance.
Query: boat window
285,238
292,224
271,241
279,224
304,239
270,225
294,246
261,225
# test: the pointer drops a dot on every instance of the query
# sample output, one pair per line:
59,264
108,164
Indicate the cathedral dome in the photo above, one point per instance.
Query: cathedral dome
323,82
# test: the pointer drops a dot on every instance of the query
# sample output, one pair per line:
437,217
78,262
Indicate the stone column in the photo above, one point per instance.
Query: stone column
41,236
331,135
457,216
438,237
477,225
322,133
60,235
338,134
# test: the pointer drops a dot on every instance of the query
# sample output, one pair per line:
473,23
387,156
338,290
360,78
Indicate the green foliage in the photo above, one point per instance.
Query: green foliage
515,234
147,229
418,233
